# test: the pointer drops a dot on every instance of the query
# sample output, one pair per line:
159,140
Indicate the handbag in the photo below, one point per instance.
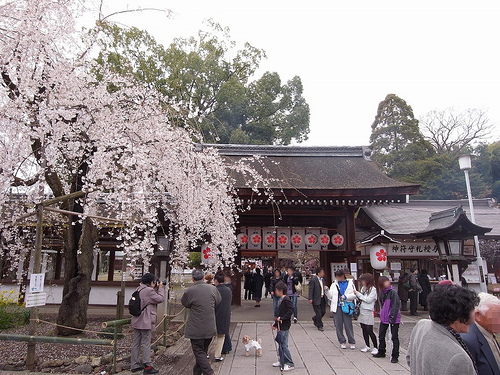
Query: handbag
298,288
348,308
357,308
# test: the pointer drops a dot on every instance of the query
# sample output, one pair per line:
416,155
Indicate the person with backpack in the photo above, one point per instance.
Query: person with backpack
142,307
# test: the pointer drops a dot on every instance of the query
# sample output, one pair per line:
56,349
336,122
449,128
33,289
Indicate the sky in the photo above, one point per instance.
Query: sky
351,54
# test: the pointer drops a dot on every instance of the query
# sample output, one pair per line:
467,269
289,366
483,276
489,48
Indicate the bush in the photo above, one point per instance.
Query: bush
12,310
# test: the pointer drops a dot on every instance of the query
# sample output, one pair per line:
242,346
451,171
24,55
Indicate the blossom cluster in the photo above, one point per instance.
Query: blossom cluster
63,128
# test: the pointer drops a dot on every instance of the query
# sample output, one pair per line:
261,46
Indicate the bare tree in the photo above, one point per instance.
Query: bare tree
450,132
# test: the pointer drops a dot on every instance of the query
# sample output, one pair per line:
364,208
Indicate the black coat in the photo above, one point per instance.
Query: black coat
481,351
274,281
258,282
285,313
248,281
267,279
223,309
424,282
315,290
297,278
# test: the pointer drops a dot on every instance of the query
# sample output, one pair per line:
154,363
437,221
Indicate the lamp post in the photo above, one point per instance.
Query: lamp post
465,165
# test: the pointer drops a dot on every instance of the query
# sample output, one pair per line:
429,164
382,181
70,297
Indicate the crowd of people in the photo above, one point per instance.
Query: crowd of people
458,338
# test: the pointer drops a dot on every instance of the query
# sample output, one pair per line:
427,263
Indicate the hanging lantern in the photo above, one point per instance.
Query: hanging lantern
296,240
270,239
255,238
337,240
207,254
282,240
311,239
378,256
242,239
324,240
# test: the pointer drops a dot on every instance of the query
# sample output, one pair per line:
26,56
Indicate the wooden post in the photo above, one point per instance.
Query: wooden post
37,265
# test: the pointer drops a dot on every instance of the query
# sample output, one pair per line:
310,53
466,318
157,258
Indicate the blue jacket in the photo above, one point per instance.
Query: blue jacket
481,351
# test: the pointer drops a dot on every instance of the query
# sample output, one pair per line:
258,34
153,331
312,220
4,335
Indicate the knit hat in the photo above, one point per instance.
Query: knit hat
148,278
445,282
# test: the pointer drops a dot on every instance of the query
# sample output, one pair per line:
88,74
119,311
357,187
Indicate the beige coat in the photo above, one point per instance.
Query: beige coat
149,298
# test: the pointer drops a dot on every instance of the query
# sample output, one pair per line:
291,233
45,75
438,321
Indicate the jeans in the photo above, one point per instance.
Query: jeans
395,339
343,320
200,349
295,310
275,305
413,296
319,313
142,338
228,346
283,351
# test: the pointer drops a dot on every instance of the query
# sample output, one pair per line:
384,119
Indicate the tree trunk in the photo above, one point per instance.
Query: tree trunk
73,309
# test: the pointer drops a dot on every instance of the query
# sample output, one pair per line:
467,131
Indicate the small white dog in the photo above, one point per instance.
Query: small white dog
250,343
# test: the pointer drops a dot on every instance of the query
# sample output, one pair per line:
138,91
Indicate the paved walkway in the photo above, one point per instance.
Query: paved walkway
313,352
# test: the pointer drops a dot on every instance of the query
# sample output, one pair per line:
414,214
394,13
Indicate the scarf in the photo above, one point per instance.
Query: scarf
457,336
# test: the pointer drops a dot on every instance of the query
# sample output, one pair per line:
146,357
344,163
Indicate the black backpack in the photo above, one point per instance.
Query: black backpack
134,304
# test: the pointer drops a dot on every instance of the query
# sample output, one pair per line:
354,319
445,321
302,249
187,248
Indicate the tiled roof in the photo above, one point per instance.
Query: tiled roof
324,168
406,218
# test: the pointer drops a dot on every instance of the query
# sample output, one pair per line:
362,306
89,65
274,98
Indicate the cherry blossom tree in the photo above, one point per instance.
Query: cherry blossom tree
63,131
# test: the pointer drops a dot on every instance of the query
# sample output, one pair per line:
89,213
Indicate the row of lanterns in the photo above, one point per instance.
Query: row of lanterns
296,239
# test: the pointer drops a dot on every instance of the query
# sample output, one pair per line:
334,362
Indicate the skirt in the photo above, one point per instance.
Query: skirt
366,317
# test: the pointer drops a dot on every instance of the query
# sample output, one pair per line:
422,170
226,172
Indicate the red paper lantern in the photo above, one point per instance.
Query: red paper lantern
242,238
324,240
337,240
270,239
255,238
282,240
296,239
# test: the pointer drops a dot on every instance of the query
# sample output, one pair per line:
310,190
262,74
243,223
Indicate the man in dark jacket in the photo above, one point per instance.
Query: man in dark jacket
282,325
201,299
317,298
248,285
423,280
151,293
481,339
415,289
267,281
403,292
222,314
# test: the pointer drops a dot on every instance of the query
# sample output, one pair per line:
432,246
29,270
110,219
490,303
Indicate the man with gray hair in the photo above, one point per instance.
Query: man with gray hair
481,339
201,299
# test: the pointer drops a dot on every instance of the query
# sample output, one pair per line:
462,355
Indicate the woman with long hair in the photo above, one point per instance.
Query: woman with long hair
367,297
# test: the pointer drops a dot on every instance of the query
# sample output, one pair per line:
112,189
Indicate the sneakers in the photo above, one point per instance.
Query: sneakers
150,370
288,368
137,369
295,320
343,346
321,329
352,346
394,360
375,351
218,359
365,349
277,364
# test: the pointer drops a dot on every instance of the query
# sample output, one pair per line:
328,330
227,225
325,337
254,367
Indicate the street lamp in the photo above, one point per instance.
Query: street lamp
465,165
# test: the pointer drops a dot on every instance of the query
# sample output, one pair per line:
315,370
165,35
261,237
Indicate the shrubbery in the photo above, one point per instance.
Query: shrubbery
12,310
